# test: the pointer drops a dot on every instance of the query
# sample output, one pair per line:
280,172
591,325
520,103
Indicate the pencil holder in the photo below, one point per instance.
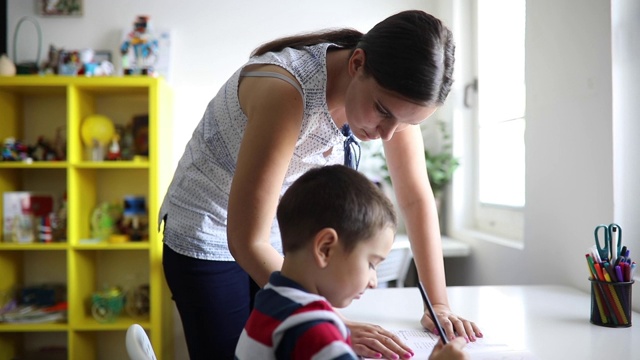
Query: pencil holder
611,303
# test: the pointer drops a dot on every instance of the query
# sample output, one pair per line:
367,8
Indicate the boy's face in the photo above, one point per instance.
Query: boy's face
350,274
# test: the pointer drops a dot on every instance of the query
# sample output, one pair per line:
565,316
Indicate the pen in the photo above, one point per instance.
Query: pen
433,314
597,291
619,274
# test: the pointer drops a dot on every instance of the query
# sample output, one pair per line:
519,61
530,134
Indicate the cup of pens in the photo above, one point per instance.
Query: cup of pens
611,276
611,303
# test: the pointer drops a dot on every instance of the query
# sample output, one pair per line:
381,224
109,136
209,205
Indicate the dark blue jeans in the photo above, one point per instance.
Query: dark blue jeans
214,299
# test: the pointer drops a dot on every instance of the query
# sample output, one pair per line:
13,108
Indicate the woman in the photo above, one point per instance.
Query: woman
292,107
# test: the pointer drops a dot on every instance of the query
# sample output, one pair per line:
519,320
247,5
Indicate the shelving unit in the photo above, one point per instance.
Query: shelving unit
31,106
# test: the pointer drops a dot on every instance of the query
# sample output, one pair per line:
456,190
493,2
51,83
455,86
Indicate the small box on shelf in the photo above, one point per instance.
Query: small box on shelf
27,217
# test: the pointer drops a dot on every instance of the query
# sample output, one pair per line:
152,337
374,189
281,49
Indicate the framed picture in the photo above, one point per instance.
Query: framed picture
59,7
102,55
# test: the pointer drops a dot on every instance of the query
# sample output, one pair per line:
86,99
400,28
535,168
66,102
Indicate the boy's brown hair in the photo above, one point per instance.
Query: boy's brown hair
333,197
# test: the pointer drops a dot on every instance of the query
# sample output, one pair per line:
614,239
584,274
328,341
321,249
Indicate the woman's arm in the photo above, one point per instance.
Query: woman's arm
407,167
274,109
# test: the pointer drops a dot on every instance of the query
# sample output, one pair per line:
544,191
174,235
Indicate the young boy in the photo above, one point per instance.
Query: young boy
336,227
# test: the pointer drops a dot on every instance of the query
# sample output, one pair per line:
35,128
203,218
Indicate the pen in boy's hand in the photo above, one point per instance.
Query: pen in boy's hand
443,336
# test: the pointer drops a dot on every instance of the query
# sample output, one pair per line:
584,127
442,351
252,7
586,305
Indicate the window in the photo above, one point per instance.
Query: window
500,118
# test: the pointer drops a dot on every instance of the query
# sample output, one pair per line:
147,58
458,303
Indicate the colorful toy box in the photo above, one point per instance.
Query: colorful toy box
27,217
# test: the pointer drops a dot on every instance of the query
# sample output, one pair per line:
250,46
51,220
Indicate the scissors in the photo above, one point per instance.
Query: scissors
612,242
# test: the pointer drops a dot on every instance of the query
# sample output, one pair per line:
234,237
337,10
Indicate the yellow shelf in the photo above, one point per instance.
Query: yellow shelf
33,327
131,245
33,165
34,106
122,323
6,246
112,165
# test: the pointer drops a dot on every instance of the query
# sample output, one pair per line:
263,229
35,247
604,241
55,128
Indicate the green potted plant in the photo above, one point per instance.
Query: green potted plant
441,164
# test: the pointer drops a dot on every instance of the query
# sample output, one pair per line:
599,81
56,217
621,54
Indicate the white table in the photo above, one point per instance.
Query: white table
552,322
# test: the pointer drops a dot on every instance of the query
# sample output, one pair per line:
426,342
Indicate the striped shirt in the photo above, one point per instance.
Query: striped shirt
288,322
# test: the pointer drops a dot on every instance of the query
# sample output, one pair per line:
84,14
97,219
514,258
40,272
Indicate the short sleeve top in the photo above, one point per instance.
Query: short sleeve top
195,206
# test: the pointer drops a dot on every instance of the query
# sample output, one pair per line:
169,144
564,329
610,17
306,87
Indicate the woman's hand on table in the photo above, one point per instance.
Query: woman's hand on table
372,341
452,324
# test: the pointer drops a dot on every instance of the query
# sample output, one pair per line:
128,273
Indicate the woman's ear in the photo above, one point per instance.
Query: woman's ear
356,61
324,246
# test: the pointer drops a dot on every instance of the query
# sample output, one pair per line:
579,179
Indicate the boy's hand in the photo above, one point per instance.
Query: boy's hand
454,350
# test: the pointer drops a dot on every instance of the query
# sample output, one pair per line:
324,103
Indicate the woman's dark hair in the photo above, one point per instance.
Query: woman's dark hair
336,197
410,53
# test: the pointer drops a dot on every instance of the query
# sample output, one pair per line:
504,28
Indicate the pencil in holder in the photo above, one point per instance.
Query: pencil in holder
611,303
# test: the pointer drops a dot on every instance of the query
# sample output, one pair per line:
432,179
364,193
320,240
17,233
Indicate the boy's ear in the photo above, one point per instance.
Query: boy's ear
324,246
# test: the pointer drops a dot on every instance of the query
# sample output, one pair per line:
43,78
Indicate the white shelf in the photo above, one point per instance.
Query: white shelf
450,247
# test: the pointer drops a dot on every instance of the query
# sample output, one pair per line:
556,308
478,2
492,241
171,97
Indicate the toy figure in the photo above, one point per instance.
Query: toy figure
44,151
143,46
14,150
7,149
114,149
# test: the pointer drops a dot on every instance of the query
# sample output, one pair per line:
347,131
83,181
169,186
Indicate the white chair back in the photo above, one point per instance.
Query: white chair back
138,344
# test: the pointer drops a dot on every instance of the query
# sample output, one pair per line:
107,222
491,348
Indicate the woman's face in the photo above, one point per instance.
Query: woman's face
374,112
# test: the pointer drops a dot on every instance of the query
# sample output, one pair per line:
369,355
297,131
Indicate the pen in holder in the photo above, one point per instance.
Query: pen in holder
611,303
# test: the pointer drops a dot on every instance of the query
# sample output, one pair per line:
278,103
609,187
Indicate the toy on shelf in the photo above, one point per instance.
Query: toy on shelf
44,150
103,221
27,217
114,149
107,305
139,49
97,131
14,150
134,218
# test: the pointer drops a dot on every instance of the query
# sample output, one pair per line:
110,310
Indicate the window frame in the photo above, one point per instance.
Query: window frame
467,217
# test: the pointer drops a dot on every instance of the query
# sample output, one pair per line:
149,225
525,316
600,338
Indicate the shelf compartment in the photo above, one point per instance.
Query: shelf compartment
92,271
98,345
45,344
33,267
30,112
92,187
118,103
39,180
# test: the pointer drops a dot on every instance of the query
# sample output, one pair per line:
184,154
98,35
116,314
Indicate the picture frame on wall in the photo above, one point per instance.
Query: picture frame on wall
60,7
102,55
3,28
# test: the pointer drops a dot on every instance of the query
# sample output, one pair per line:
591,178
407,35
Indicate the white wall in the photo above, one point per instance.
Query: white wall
626,120
581,143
